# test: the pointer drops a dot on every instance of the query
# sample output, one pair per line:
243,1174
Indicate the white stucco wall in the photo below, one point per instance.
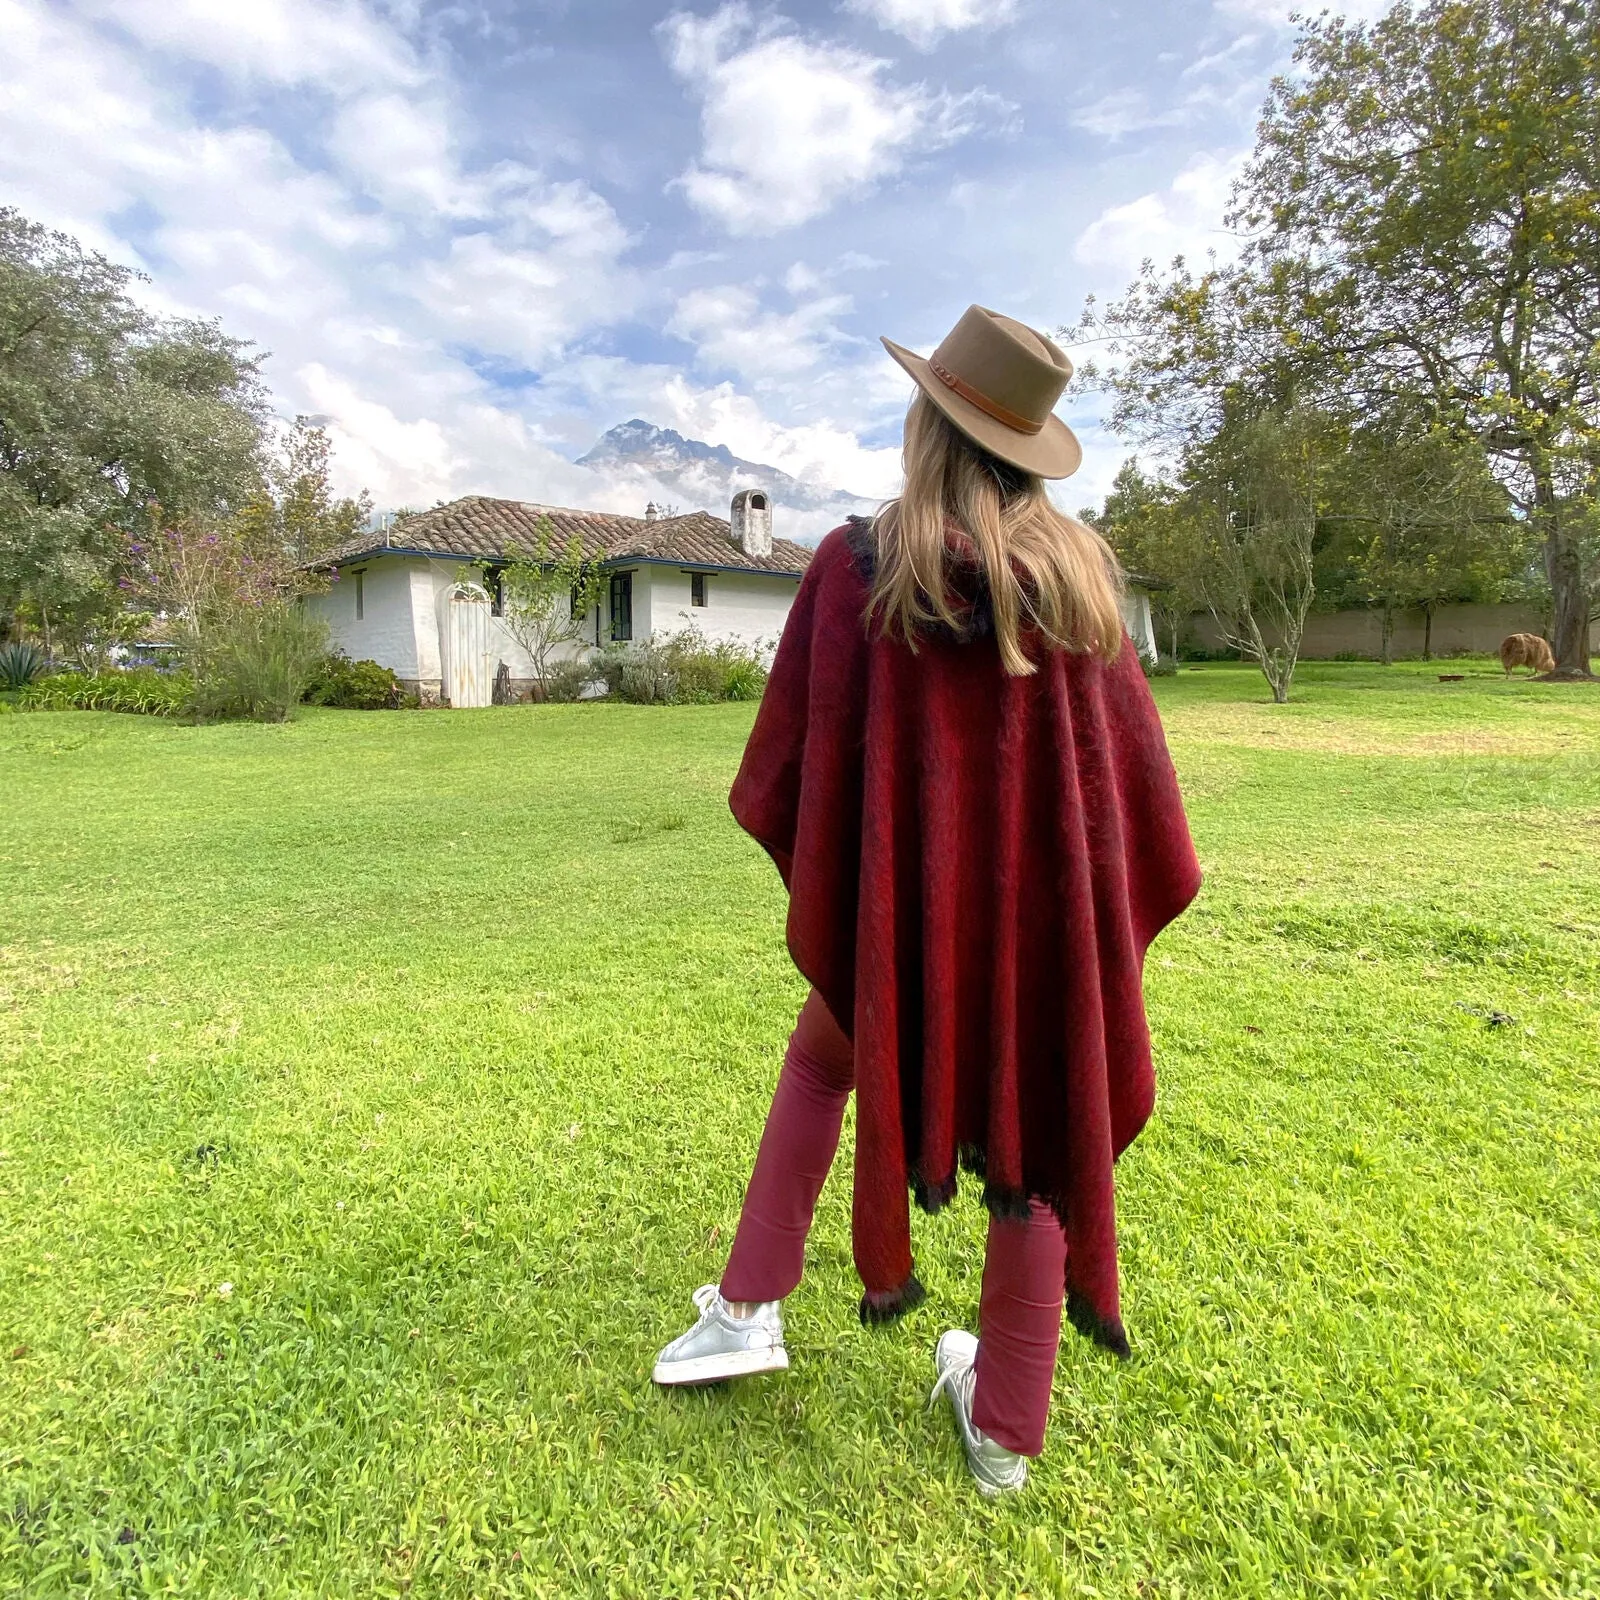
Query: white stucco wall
748,608
385,632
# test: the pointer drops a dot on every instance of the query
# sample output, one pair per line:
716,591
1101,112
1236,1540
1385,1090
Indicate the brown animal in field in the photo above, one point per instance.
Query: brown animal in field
1526,650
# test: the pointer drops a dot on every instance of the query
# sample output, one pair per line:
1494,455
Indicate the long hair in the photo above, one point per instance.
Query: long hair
1047,573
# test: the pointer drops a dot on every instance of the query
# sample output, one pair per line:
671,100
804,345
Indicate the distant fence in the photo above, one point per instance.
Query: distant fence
1475,628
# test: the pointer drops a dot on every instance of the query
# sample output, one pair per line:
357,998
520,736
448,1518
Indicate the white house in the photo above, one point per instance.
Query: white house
420,598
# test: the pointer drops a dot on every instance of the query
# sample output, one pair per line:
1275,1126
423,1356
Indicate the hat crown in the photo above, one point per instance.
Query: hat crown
1019,371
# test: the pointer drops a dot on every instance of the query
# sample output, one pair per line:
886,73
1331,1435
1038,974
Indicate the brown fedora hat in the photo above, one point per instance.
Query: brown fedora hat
998,381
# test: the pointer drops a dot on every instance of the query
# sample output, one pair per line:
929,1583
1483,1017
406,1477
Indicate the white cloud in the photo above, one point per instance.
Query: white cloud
731,332
332,42
1183,219
924,22
1124,111
398,149
790,127
528,291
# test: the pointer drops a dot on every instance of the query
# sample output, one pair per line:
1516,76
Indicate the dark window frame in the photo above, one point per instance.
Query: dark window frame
699,589
361,593
620,598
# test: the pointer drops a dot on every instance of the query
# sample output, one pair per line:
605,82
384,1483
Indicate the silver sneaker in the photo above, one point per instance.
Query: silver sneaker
997,1469
721,1345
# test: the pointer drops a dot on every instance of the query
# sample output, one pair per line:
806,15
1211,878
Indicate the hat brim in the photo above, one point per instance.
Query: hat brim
1052,452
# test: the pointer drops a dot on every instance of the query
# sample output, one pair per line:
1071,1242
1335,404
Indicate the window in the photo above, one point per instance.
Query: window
361,599
697,588
497,591
621,607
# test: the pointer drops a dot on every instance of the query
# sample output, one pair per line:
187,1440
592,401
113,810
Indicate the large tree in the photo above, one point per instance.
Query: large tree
1417,520
1208,369
105,412
1429,188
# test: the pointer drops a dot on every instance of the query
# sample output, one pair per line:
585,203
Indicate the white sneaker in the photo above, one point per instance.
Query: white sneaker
997,1469
721,1345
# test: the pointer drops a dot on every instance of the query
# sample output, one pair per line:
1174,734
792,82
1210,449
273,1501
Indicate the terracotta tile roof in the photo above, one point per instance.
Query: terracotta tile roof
479,528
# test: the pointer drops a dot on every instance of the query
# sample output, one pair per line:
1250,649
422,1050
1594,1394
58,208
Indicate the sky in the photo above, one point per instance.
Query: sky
472,235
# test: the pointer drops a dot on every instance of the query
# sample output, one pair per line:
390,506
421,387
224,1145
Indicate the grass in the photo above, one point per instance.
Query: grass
375,1089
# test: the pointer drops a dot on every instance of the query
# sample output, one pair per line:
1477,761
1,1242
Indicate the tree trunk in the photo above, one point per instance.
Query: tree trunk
1388,633
1427,632
1563,567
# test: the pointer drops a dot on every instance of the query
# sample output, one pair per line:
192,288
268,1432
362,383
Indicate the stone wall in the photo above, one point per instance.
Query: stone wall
1475,628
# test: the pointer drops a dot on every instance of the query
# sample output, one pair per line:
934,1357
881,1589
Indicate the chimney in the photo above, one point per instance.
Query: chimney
650,512
750,520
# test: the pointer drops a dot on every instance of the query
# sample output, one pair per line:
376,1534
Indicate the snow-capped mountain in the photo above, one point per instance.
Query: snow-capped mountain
703,477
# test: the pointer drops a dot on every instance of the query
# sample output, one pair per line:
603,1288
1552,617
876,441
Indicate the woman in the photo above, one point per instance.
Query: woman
958,771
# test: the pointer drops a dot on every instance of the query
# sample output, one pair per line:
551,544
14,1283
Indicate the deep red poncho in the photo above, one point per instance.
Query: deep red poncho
976,864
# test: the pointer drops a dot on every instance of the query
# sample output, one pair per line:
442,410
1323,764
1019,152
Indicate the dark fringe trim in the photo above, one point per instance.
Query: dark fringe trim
1010,1205
1092,1325
889,1305
862,538
973,1158
932,1197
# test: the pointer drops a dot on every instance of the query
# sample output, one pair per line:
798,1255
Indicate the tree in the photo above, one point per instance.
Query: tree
105,410
1420,521
1207,369
312,519
1153,527
1262,484
1430,183
546,592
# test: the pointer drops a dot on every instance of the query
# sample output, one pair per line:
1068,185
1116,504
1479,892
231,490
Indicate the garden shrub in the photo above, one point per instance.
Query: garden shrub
154,694
709,672
565,681
355,685
683,669
20,664
258,663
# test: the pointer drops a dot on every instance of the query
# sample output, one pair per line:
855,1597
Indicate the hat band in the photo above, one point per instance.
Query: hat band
978,398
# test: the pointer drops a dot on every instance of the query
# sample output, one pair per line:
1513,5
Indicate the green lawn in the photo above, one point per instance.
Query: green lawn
445,1039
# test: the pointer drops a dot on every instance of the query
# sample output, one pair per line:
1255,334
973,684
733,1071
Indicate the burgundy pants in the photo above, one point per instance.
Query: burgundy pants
1024,1269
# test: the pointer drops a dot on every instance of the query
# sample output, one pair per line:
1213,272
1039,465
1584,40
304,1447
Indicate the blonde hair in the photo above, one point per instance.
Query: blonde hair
1046,572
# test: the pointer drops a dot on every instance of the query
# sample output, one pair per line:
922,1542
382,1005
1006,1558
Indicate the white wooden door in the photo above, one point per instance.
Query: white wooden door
468,671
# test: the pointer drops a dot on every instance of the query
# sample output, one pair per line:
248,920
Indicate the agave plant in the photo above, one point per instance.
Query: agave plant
20,664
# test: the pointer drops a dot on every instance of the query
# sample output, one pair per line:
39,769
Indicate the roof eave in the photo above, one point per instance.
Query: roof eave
604,561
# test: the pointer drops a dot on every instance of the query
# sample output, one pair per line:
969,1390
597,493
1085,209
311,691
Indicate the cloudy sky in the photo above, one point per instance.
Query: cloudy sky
473,234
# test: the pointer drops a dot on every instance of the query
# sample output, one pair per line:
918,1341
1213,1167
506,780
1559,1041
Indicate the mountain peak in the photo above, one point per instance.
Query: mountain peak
638,440
706,475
